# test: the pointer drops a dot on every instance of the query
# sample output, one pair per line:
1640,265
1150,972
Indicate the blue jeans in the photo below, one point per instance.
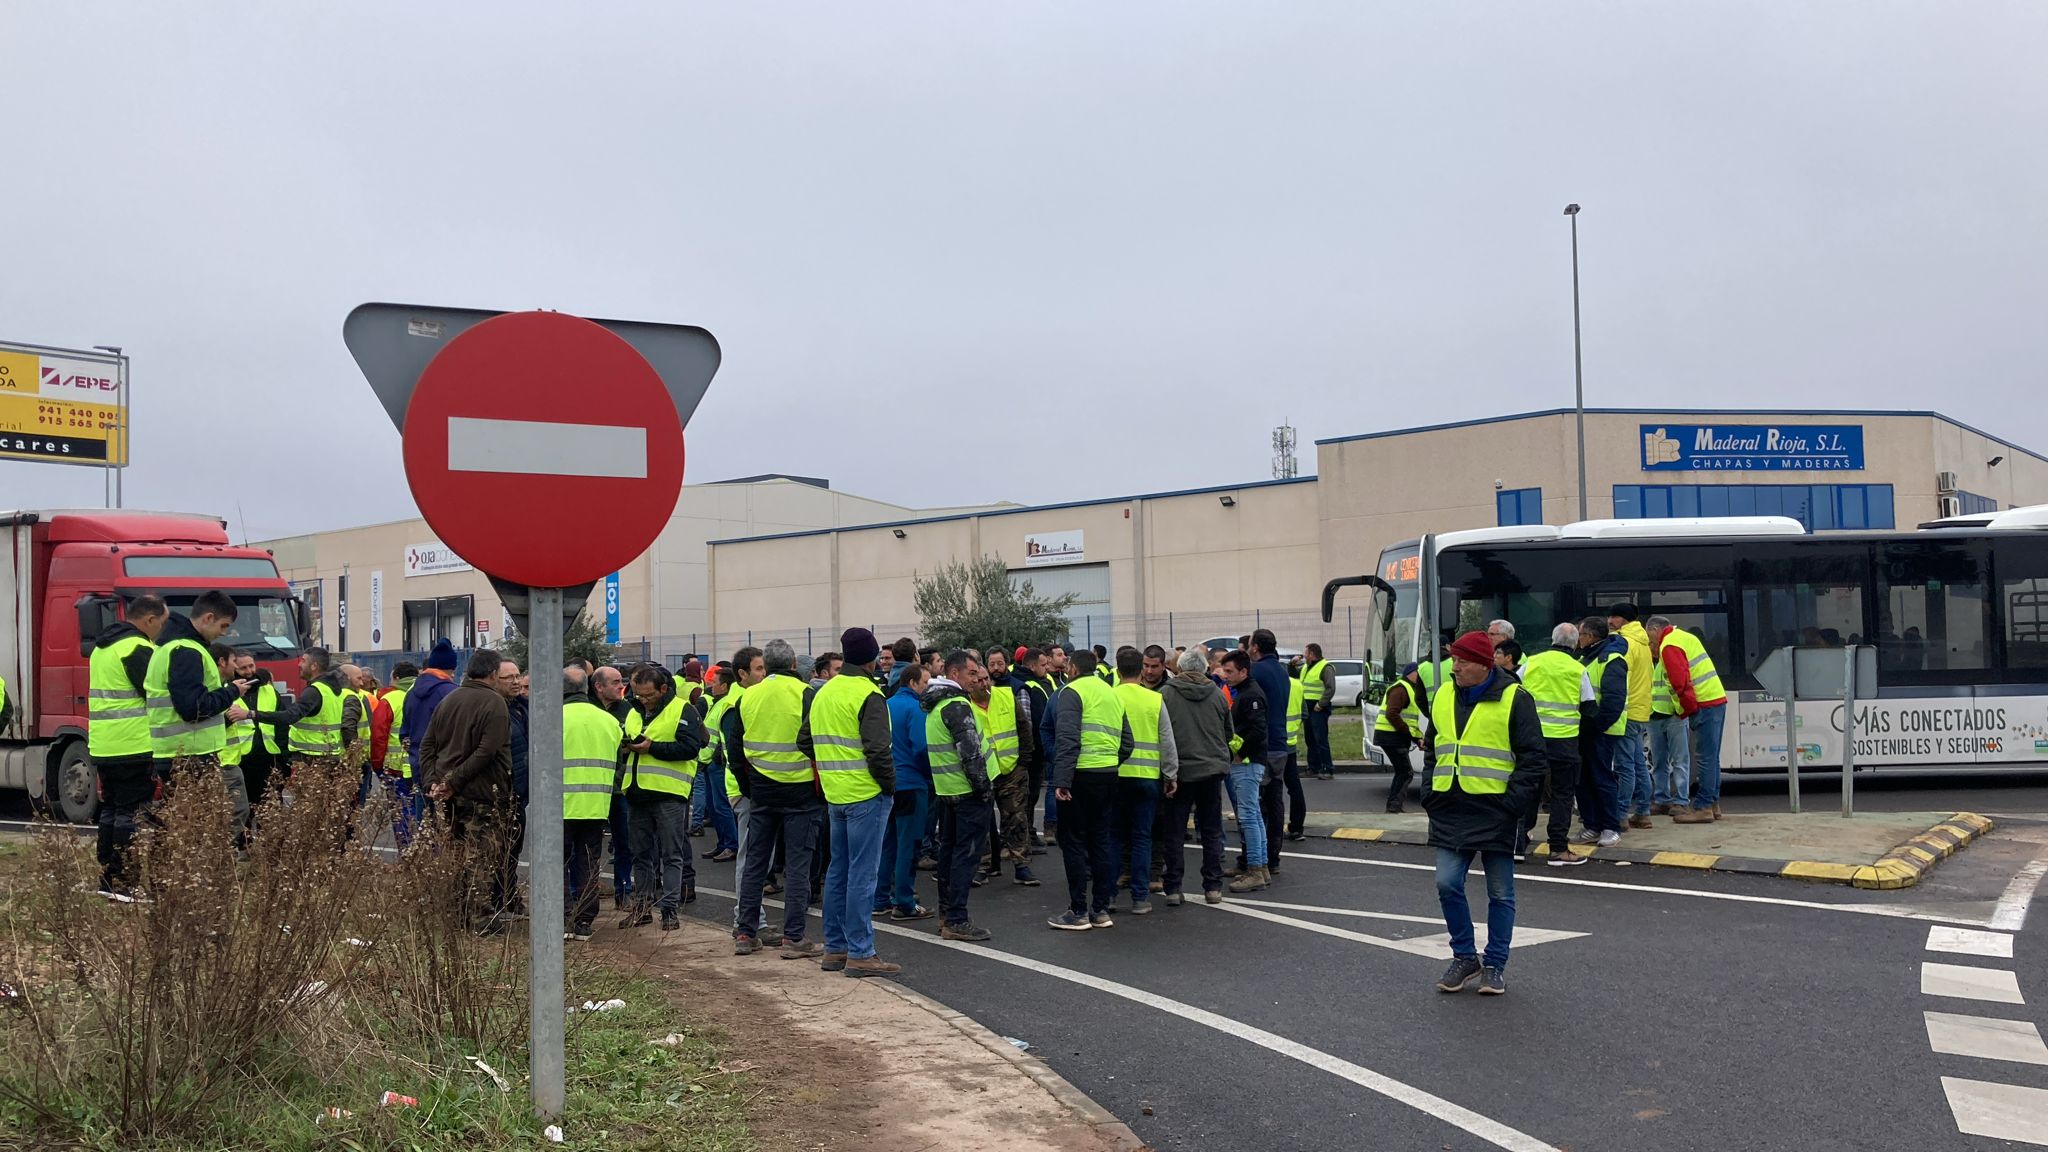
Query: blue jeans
1632,769
708,799
1130,831
1244,792
857,833
896,872
1451,869
1671,760
622,846
1706,733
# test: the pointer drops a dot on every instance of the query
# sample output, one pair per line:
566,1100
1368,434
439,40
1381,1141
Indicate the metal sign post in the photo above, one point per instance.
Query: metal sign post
1849,730
544,846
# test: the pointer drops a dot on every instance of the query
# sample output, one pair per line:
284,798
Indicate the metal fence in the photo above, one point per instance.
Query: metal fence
1344,637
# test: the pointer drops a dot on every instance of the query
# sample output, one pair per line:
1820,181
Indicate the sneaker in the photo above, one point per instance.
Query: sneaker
743,946
635,917
1297,836
802,949
1609,838
1459,974
1141,907
1585,836
1491,984
1641,820
964,930
725,857
1158,886
771,937
915,912
579,932
1025,877
1212,896
1101,920
1565,859
871,966
926,863
1395,809
977,882
669,920
1069,921
1173,899
833,962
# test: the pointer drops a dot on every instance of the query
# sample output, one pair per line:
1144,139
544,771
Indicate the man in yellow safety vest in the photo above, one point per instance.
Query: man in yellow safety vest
959,754
590,760
1561,689
783,800
1485,762
1690,702
845,731
117,734
663,737
189,706
1152,773
1318,693
1600,812
1092,740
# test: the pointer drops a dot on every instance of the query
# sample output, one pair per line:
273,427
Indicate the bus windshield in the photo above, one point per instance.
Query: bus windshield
1396,631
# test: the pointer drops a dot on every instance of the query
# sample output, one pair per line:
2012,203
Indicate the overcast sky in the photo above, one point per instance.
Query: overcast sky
1020,244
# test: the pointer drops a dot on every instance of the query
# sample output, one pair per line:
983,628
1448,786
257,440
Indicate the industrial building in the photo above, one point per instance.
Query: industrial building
783,556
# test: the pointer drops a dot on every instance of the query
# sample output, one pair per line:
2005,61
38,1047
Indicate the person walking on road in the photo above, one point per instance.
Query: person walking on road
1562,689
846,732
1249,723
959,758
1600,810
1152,770
1689,686
782,789
1200,721
1485,758
896,871
1396,730
1093,740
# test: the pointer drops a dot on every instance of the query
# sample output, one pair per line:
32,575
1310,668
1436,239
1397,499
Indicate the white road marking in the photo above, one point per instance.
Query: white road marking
2011,913
1986,1038
1969,942
1436,947
1902,912
1965,982
1492,1131
546,448
1999,1111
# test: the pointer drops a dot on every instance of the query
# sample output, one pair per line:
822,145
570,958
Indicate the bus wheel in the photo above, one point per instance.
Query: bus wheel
73,789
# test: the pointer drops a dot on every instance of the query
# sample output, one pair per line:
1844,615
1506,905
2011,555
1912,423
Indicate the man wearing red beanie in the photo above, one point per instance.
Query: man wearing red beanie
1484,759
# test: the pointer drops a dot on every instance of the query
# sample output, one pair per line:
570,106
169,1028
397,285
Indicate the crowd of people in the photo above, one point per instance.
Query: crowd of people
838,779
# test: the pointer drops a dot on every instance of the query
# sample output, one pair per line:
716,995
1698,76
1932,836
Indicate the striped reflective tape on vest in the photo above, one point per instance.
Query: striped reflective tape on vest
177,728
1463,755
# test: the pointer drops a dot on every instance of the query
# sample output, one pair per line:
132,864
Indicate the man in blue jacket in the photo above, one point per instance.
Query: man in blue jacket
1606,657
896,878
425,695
1272,678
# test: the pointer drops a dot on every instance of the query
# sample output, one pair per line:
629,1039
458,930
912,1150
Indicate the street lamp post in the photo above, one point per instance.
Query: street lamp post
117,432
1578,363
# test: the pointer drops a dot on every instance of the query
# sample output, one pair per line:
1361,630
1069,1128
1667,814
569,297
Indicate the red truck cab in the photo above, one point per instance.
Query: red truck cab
64,577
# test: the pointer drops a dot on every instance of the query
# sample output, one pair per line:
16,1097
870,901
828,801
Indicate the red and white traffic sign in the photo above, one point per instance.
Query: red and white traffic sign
543,449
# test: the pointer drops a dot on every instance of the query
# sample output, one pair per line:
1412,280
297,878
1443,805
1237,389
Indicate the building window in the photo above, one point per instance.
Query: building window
1821,507
1970,503
1519,506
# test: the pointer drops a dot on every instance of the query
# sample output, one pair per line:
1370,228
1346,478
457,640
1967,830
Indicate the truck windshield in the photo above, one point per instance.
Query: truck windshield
263,623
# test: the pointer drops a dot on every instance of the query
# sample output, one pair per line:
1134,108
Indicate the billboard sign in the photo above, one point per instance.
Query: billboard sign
1752,447
1044,548
611,608
433,559
61,407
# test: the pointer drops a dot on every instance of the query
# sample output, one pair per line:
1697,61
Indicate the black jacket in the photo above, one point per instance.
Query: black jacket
516,714
1464,822
190,698
759,789
1248,720
136,663
966,736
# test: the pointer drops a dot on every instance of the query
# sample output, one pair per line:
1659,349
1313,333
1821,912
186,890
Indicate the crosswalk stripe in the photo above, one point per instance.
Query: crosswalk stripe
1985,1038
1969,942
1967,983
1999,1111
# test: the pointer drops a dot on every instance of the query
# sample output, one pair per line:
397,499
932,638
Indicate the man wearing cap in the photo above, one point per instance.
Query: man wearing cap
845,731
1397,728
1485,759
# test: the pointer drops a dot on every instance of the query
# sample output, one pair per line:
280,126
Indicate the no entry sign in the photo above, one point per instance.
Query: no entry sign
543,449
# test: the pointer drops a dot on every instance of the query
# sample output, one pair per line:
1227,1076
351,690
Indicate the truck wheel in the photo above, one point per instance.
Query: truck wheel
73,789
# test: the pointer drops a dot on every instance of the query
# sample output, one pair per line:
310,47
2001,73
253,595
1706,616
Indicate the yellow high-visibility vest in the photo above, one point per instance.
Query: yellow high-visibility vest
1297,695
651,773
948,777
1411,713
1102,724
1706,679
771,713
998,725
117,719
835,740
1141,707
169,734
1598,671
1482,756
590,760
321,734
1554,680
1312,682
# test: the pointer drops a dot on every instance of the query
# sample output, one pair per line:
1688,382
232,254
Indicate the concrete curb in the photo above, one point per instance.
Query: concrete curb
1076,1101
1901,867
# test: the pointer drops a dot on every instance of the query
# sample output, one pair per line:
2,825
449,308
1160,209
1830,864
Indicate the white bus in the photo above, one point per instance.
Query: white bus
1958,614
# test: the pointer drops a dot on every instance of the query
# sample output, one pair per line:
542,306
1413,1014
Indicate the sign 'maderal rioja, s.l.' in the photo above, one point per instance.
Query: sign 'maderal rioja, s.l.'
1752,447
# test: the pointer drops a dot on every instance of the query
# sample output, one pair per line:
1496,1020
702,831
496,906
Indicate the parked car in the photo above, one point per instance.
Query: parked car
1350,682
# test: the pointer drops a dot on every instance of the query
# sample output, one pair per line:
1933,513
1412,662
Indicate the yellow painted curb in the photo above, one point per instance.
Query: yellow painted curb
1815,870
1686,859
1358,833
1903,866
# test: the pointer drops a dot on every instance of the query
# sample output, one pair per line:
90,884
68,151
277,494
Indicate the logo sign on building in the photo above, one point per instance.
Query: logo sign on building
611,608
432,559
483,632
60,407
1044,548
1752,447
376,611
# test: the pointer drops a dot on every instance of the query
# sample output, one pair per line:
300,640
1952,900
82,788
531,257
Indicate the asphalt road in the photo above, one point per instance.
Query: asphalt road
1694,1011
